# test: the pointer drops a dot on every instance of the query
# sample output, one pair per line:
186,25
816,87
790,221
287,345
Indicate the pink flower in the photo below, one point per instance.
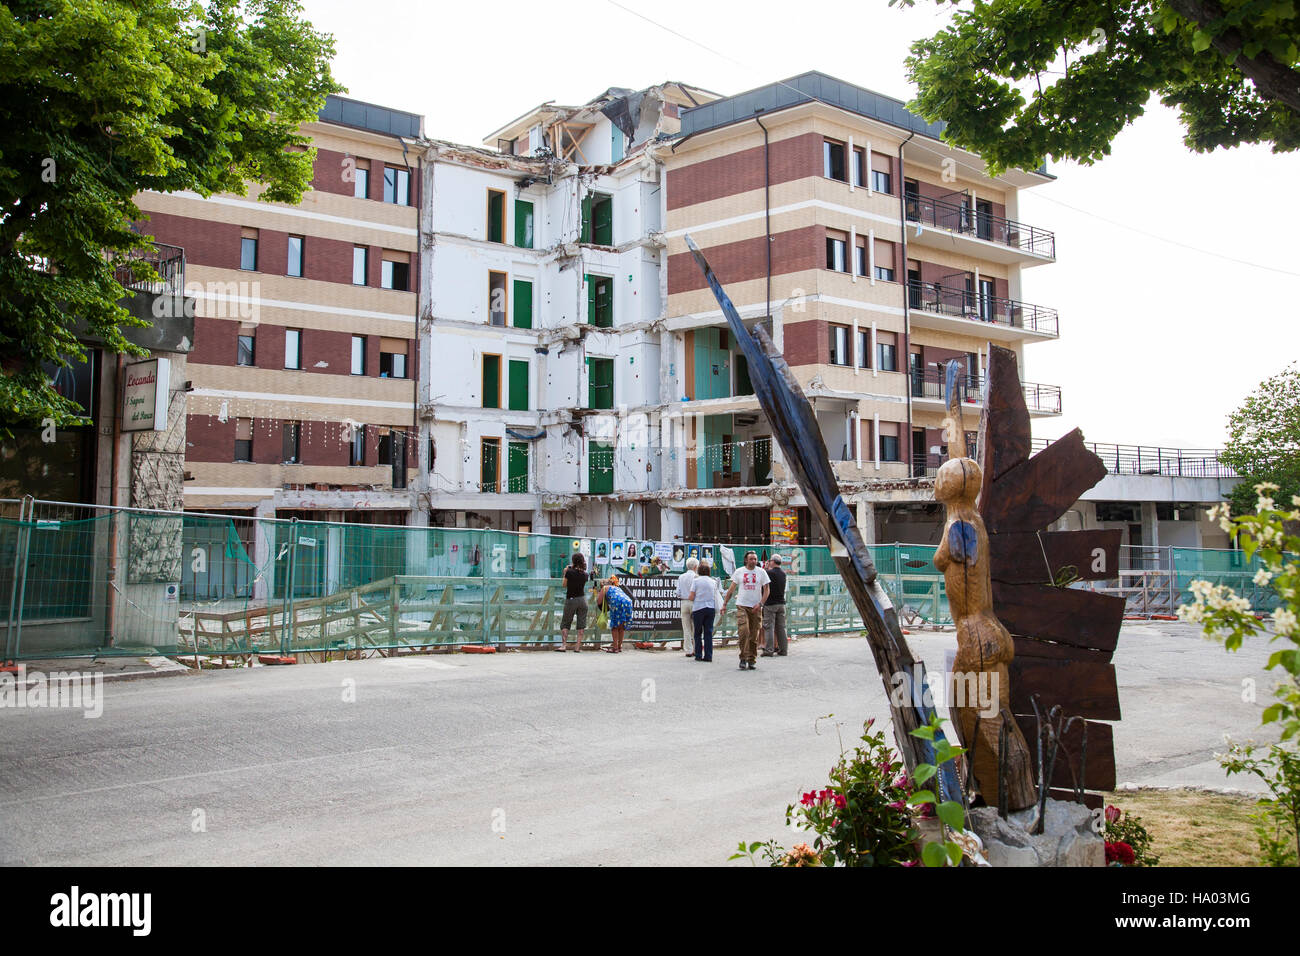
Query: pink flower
1112,814
824,795
912,863
809,798
898,805
840,801
902,782
1120,853
869,723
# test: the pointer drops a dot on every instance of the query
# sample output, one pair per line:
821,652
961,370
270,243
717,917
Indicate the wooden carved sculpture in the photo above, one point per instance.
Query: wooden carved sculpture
1063,636
980,691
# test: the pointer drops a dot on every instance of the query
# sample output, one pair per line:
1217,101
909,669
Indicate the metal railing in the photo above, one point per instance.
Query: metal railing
980,307
167,261
1153,460
959,217
736,464
929,384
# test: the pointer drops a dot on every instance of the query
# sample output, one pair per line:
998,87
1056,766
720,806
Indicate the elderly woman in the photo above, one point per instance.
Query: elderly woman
610,595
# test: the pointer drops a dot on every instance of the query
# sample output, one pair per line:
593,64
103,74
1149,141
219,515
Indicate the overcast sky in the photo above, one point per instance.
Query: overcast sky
1162,332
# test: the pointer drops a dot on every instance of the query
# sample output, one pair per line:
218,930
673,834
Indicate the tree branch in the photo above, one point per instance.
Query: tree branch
1275,81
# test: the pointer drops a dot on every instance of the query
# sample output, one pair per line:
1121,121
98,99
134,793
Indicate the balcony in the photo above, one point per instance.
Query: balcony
935,306
1153,460
927,386
998,239
735,464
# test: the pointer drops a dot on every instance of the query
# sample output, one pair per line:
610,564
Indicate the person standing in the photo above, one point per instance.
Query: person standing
686,581
575,601
774,636
704,601
752,583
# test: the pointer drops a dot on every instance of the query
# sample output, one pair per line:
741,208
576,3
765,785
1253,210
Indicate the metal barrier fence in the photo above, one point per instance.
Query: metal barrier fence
86,580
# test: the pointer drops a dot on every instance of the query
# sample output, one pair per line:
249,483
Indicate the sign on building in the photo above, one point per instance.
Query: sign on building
145,391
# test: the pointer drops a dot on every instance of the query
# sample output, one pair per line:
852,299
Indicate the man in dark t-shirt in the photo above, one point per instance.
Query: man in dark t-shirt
775,641
575,601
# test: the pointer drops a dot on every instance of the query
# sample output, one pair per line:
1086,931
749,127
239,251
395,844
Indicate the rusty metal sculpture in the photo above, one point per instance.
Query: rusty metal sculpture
981,687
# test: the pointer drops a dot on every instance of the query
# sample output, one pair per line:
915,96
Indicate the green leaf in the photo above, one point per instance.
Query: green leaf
1271,713
923,772
925,733
934,855
954,853
952,814
920,797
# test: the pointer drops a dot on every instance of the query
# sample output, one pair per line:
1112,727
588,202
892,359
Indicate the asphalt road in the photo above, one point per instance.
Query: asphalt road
640,758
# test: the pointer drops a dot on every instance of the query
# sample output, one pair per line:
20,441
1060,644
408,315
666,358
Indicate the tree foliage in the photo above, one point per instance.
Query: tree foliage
1019,81
1264,440
101,99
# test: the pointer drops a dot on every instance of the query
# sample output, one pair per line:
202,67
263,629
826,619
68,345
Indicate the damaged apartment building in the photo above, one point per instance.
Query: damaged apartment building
578,376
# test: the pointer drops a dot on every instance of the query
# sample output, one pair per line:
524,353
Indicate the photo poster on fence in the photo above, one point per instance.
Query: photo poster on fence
673,555
616,552
631,557
655,604
693,551
706,554
583,545
602,551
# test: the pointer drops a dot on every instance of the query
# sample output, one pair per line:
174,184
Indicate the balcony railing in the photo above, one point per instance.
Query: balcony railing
961,218
1150,460
1041,399
168,262
981,307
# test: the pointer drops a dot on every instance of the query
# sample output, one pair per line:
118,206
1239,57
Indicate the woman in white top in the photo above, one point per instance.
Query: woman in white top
704,602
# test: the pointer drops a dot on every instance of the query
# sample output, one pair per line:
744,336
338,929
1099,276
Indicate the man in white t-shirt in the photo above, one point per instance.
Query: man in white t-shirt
685,582
752,583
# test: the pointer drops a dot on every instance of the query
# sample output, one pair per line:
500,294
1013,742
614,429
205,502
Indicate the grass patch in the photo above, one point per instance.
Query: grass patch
1194,827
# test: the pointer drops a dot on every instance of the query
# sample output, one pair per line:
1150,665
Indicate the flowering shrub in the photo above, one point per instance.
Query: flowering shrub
861,819
1127,840
1221,613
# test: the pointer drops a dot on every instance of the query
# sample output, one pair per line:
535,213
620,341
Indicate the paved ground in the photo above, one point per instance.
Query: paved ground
646,757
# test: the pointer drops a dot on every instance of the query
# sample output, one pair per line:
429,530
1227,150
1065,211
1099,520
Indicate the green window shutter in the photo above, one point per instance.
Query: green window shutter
517,467
491,381
518,386
602,222
496,216
600,383
591,298
605,303
488,466
615,144
523,224
600,468
523,304
586,219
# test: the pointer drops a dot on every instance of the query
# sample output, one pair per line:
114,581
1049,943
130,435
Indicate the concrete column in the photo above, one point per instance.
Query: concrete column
867,521
1150,526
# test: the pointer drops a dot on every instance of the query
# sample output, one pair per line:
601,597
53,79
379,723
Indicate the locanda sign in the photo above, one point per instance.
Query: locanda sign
145,388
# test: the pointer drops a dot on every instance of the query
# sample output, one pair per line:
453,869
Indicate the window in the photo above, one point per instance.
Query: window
889,441
600,383
887,352
523,224
360,265
833,161
489,473
600,301
392,358
615,143
358,355
517,467
839,337
289,438
884,272
859,166
836,251
361,184
491,381
600,468
294,267
880,183
496,216
864,349
384,447
884,260
497,297
357,448
394,273
245,352
293,348
397,186
243,439
518,395
860,258
598,219
433,453
523,317
248,251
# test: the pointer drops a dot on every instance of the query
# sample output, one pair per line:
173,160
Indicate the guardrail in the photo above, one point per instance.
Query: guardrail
929,384
959,217
1154,460
168,261
980,307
